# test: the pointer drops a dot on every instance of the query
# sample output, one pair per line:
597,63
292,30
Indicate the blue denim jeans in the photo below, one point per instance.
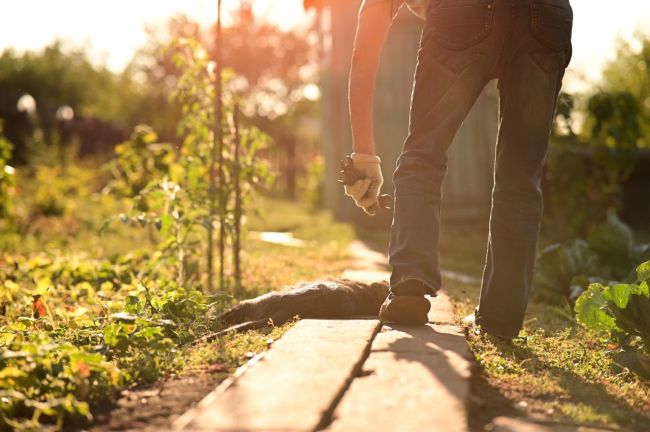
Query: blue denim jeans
526,46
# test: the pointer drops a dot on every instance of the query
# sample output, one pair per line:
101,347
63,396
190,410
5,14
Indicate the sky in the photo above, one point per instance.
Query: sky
114,30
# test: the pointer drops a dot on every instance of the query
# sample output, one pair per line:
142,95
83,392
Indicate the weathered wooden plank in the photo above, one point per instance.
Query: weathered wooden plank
506,424
415,379
295,385
441,312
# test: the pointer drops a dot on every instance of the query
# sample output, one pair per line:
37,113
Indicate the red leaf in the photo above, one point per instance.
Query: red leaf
38,307
83,369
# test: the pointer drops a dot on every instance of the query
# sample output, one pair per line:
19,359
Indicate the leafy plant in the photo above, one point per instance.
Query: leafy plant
7,181
567,268
73,330
562,265
139,161
613,241
172,196
621,311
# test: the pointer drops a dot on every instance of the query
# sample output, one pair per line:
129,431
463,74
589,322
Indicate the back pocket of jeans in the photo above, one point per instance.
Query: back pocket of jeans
460,27
551,25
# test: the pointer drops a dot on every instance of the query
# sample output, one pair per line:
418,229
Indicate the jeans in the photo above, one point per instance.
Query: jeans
526,46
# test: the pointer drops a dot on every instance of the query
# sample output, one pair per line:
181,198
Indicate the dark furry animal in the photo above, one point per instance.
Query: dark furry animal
336,298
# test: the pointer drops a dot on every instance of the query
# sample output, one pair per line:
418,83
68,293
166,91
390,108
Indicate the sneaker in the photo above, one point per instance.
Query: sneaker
405,309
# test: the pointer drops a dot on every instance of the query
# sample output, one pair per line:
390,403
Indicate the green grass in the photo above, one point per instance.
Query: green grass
270,266
558,370
230,351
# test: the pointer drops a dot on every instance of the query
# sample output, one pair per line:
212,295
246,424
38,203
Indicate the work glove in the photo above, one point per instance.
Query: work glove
365,192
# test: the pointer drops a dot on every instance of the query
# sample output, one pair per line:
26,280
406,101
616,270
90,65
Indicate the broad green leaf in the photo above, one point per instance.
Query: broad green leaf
619,294
644,289
643,271
612,239
149,333
11,372
166,221
589,310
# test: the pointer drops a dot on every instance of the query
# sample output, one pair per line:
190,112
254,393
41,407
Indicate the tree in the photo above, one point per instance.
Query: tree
629,73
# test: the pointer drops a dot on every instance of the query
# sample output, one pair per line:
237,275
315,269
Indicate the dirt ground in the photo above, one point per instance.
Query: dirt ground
156,406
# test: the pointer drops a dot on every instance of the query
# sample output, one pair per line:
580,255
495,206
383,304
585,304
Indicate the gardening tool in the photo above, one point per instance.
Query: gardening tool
350,175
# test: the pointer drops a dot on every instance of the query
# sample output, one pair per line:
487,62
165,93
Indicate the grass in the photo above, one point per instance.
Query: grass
230,351
272,266
557,370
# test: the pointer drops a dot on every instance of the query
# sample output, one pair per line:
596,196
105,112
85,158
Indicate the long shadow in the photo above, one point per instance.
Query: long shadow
426,345
591,394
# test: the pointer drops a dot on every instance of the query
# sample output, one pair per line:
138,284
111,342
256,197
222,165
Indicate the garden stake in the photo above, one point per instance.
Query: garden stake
238,209
216,149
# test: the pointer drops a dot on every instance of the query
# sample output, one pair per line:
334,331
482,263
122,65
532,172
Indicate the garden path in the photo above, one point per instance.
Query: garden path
353,375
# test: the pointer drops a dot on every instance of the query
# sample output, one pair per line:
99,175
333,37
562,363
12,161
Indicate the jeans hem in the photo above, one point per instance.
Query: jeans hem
490,329
429,289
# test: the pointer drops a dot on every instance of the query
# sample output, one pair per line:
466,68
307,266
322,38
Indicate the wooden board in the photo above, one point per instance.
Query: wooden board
416,379
295,385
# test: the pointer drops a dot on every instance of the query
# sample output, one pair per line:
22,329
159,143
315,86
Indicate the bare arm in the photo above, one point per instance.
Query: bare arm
372,30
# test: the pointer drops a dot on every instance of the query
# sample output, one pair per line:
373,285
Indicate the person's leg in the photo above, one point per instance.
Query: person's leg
458,54
454,64
529,83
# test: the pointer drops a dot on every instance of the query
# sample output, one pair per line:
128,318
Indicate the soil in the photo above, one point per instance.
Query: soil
156,406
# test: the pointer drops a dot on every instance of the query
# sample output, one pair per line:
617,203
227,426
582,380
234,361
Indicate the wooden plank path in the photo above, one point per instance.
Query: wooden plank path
294,386
356,375
415,379
349,375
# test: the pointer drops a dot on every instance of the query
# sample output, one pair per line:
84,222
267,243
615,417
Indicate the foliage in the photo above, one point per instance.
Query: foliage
172,192
622,311
628,73
561,266
555,367
63,75
130,310
58,188
588,167
7,181
139,161
588,171
314,193
74,329
567,268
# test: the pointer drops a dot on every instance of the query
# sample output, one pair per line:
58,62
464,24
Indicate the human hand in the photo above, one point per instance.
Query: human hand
365,192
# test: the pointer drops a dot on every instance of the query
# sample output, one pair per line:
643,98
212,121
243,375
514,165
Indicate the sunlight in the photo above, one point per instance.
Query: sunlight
93,24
